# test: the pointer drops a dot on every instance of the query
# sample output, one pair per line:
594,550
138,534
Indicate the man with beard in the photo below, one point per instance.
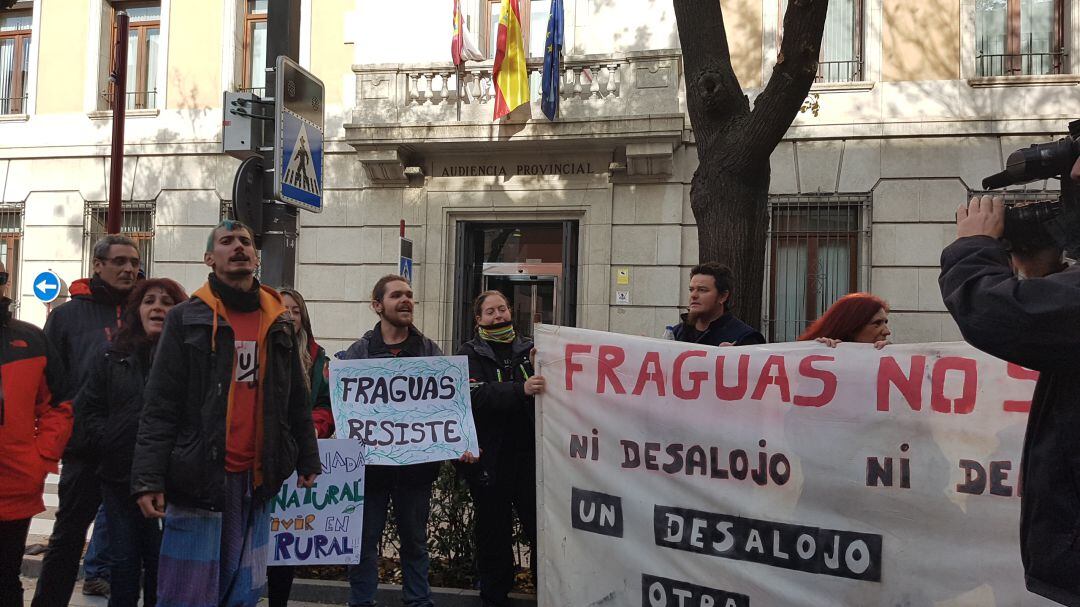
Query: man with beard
79,330
409,487
225,422
709,320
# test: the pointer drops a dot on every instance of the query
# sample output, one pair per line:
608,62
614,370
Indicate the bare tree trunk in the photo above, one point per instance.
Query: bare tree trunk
730,189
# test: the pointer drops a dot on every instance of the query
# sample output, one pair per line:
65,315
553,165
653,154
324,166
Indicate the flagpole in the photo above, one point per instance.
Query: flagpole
460,73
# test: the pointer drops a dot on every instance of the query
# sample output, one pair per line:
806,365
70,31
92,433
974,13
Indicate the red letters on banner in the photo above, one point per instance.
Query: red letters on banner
910,385
684,382
1017,372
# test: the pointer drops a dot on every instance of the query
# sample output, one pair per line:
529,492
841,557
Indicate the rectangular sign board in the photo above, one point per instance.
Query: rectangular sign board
299,119
322,525
408,410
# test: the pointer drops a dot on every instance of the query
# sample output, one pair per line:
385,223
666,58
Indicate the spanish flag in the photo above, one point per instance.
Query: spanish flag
511,77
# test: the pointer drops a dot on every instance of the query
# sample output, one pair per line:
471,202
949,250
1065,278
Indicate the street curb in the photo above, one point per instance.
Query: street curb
334,592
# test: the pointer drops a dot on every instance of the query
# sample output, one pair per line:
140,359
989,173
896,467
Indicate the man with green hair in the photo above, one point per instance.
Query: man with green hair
226,421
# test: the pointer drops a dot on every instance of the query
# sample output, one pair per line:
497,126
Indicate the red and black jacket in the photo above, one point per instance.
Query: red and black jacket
35,422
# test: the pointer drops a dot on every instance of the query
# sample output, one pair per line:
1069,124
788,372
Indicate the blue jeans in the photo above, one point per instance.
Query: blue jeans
96,560
412,504
134,544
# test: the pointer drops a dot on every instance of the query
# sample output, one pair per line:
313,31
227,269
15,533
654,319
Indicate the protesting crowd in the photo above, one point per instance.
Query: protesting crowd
176,417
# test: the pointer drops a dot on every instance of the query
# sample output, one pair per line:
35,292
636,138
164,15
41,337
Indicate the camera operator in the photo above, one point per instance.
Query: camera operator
1034,323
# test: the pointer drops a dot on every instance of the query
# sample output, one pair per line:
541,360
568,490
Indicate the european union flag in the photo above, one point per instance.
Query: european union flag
549,98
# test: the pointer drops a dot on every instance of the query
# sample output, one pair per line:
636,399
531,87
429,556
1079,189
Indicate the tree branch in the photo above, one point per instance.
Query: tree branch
796,68
713,93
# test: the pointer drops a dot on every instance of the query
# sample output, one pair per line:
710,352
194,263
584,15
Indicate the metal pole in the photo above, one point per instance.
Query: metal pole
118,78
279,220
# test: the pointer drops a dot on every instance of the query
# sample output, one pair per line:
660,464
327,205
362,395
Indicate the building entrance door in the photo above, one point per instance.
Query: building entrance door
532,290
534,264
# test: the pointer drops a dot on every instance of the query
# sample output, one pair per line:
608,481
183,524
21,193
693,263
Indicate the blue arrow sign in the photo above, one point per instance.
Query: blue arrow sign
47,286
405,269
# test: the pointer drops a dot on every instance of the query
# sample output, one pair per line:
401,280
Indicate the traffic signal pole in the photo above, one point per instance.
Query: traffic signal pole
279,231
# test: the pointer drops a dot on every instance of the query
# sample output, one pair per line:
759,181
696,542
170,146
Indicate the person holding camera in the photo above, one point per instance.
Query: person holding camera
1033,322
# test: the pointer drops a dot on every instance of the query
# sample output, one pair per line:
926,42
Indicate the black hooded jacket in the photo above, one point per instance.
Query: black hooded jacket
80,329
726,329
181,442
371,345
1034,323
504,414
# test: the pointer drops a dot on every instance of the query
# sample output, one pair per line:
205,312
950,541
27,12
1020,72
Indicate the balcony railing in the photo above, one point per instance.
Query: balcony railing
590,87
840,71
136,100
1029,63
12,105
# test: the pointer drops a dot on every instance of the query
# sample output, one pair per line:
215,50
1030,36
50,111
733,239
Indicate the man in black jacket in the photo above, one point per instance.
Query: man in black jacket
79,330
409,487
225,422
1034,323
709,320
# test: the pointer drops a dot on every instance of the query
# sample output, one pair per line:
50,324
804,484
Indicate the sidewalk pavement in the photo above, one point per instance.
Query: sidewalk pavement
305,592
78,599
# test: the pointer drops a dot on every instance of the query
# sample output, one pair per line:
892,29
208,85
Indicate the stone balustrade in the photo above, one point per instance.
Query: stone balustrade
620,84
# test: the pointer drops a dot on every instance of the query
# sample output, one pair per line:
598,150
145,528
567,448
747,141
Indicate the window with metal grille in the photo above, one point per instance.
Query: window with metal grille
11,230
254,76
14,61
136,222
227,210
816,254
841,56
1019,37
144,33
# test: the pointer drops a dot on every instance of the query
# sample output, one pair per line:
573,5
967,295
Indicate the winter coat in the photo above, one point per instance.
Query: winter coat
319,394
503,413
727,328
108,409
371,345
1034,323
35,422
180,448
79,329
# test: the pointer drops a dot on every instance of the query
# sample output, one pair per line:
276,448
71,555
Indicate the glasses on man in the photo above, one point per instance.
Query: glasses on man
120,262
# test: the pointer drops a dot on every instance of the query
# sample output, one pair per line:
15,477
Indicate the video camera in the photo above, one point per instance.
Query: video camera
1043,222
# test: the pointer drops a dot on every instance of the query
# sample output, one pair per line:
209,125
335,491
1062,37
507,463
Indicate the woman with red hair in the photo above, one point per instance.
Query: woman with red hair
857,317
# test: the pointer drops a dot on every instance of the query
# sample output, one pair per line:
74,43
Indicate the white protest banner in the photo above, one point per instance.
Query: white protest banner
321,525
404,410
678,475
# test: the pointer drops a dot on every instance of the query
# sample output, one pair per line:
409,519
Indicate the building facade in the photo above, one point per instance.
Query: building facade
585,220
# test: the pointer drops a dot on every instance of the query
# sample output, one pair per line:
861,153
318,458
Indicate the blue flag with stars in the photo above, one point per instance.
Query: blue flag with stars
549,97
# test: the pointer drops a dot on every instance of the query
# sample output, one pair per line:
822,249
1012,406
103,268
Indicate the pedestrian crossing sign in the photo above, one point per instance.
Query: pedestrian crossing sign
298,149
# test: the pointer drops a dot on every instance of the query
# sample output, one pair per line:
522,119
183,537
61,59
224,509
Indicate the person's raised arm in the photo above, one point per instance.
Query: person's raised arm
1034,323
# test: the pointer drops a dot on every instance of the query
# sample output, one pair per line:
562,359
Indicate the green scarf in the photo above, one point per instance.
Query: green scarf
501,333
